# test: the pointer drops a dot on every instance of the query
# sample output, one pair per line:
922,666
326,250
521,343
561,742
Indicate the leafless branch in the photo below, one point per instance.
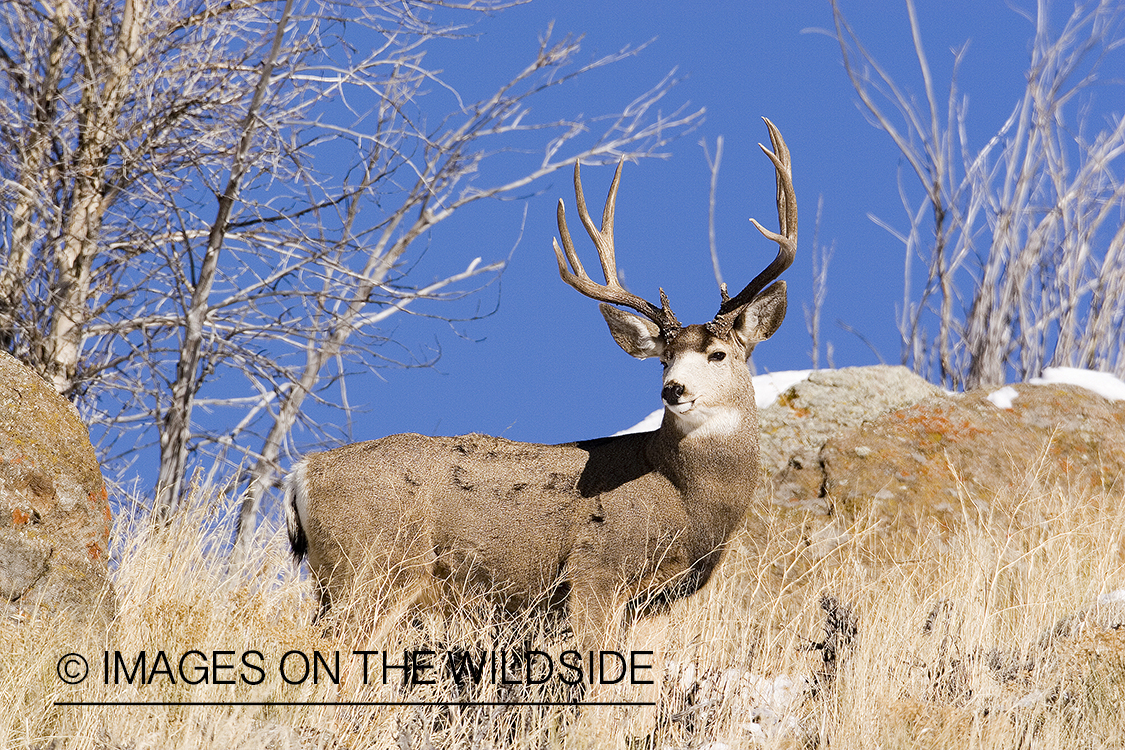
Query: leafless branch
713,167
1020,238
216,209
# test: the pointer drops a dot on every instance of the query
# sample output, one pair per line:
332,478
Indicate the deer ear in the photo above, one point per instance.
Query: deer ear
760,318
638,336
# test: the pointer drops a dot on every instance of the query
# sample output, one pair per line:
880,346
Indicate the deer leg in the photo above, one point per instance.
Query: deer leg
324,599
592,607
649,634
596,610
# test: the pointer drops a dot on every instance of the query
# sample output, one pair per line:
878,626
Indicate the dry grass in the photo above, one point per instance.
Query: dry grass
978,639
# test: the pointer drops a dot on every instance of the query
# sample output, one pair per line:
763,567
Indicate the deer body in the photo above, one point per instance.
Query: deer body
599,524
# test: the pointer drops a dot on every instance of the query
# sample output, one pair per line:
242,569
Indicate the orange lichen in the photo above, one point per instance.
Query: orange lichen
788,400
936,425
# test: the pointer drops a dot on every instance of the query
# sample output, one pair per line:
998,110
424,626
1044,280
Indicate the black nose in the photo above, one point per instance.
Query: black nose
672,393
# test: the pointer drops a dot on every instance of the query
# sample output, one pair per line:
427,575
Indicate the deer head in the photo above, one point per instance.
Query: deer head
705,377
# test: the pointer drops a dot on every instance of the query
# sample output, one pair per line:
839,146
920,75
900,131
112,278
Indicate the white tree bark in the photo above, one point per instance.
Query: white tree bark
1021,238
198,217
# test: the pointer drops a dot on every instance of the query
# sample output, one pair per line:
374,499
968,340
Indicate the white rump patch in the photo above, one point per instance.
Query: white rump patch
297,500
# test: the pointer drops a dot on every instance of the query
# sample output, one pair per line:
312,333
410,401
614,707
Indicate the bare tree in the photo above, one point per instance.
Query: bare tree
821,257
213,204
713,167
1023,238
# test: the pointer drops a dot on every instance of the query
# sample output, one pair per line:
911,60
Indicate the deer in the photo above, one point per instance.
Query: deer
591,527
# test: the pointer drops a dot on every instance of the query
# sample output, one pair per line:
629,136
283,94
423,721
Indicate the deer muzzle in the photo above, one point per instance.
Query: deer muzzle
672,393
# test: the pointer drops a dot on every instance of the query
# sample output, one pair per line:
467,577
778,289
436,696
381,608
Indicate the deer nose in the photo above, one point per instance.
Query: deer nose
672,392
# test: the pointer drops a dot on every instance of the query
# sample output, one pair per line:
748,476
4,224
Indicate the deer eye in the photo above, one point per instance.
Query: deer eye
716,356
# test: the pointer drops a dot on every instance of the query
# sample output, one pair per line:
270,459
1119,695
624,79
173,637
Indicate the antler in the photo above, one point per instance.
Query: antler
611,291
786,240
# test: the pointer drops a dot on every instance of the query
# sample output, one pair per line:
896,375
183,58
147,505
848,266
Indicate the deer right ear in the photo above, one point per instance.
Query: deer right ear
758,321
638,336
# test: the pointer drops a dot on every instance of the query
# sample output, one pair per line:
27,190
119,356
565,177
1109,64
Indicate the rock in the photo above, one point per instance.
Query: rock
829,403
54,512
942,462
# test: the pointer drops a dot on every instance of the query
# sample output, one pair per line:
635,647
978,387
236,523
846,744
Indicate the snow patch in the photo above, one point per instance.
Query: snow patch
766,390
768,387
768,705
648,424
1003,398
1113,597
1102,383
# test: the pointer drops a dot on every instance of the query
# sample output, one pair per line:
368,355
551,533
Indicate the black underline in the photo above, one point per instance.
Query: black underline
464,704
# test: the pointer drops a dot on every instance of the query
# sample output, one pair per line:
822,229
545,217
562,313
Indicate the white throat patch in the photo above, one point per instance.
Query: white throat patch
701,421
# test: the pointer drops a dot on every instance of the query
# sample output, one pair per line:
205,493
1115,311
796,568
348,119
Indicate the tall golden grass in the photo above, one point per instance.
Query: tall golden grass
980,636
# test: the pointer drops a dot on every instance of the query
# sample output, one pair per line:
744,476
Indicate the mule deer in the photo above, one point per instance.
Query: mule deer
599,523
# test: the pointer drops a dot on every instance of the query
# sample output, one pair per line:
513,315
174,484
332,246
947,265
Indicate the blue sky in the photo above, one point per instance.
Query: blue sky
543,367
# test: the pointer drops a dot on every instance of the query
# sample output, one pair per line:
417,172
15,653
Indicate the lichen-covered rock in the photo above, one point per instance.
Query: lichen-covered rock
943,461
54,513
829,403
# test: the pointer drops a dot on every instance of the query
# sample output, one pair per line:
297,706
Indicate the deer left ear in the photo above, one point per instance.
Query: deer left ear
761,318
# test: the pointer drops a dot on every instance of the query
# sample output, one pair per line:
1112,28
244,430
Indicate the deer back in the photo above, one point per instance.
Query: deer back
599,522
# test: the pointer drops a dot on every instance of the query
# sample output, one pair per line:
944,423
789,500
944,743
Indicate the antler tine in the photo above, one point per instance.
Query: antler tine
787,221
612,291
603,240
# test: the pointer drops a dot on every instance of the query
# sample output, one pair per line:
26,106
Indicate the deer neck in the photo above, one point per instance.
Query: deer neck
712,461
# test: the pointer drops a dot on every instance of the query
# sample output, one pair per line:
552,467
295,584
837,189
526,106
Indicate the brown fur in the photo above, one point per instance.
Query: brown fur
615,519
601,523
